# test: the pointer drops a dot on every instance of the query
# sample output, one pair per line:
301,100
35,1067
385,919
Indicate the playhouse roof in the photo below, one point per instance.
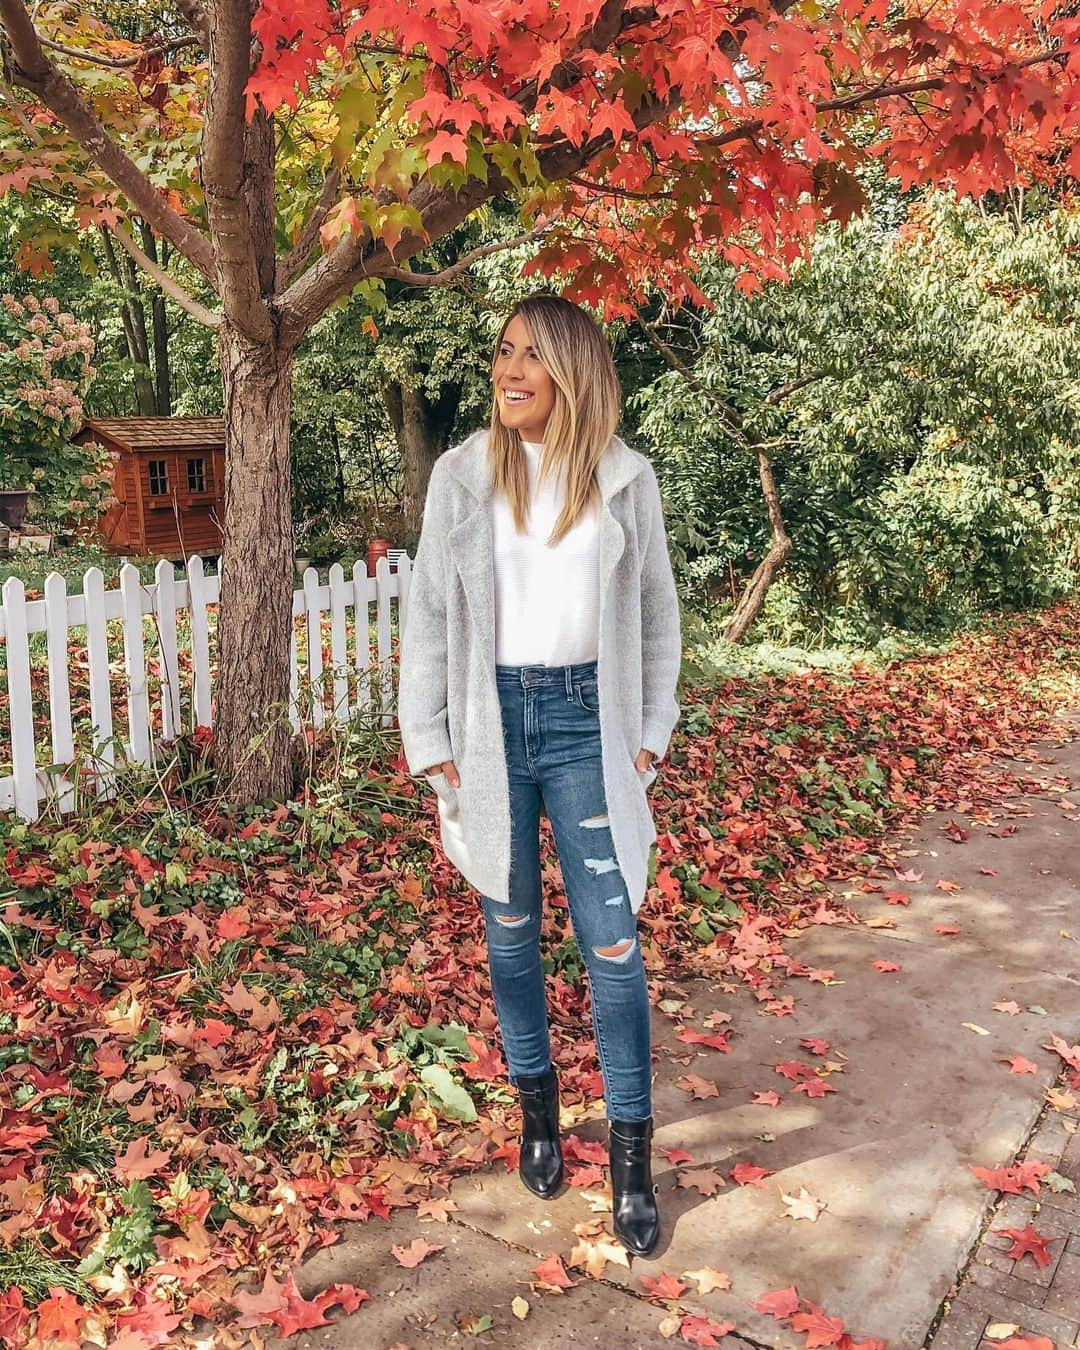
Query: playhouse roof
160,433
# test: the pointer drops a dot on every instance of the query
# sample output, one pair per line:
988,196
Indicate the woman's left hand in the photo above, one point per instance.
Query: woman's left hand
643,760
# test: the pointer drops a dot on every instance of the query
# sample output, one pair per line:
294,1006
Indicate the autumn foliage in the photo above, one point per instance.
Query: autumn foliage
224,1033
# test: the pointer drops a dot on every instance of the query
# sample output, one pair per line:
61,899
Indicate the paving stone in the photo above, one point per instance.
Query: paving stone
1033,1321
1063,1296
961,1328
1006,1284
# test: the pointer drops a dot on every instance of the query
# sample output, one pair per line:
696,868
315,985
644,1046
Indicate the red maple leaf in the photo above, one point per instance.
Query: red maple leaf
663,1286
781,1303
746,1174
1013,1179
795,1068
1027,1242
821,1329
551,1271
701,1331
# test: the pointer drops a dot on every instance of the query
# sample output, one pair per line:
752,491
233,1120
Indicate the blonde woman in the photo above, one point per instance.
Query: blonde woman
540,655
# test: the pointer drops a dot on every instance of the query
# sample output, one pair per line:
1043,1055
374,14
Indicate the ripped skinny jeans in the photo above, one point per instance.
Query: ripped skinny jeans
551,729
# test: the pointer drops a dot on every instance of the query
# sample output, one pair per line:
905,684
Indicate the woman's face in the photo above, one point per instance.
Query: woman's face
524,391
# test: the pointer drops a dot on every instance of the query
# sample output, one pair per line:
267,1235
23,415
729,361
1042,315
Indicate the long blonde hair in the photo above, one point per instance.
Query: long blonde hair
588,398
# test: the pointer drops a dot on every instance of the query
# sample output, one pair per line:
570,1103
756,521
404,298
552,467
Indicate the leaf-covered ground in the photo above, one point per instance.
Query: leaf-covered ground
222,1032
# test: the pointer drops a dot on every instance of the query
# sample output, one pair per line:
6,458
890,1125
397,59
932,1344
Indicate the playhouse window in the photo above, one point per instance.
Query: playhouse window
159,477
196,475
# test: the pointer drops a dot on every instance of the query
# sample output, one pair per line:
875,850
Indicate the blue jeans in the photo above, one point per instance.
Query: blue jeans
551,729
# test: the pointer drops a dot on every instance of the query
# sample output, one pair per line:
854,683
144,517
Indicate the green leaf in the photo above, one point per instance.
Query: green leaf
450,1097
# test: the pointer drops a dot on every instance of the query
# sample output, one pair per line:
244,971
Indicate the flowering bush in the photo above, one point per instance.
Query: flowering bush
46,365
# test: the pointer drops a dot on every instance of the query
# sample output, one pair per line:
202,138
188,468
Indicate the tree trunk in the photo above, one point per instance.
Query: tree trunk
158,324
422,430
134,321
252,730
753,597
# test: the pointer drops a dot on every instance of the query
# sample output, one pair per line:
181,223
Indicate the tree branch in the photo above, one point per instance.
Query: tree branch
120,63
34,71
871,95
168,283
451,274
298,255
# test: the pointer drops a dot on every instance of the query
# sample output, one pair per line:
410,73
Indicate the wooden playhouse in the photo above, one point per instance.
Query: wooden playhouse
169,483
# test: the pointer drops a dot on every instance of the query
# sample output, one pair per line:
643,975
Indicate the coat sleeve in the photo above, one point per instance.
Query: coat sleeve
422,684
661,635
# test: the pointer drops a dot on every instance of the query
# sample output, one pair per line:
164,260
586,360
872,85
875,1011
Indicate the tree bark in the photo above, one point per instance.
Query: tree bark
252,731
757,588
159,325
133,318
422,430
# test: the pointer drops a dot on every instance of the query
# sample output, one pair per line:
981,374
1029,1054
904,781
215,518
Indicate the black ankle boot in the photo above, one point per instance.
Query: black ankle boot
634,1209
541,1165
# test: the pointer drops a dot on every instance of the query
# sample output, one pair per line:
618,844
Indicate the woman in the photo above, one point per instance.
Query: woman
540,655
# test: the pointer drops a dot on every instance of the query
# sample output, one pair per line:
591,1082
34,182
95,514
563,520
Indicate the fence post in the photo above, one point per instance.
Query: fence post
200,642
314,647
168,657
135,664
97,661
20,700
56,638
382,630
337,643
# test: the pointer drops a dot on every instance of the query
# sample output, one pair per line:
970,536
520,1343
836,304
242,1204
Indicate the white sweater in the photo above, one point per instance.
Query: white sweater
547,599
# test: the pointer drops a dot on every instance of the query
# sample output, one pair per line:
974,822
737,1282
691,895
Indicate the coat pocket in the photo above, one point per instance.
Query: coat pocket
647,776
449,804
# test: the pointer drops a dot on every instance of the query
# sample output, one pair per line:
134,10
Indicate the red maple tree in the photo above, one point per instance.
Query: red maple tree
332,143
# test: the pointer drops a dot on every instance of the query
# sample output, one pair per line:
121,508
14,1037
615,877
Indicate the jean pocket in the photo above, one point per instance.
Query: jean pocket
587,693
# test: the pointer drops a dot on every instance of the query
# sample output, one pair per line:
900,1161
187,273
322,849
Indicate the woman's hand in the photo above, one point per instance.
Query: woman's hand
449,768
643,760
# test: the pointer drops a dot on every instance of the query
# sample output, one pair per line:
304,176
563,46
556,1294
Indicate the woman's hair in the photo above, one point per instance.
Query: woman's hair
588,397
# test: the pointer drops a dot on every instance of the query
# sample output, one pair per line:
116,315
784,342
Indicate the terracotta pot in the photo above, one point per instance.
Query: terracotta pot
376,549
13,506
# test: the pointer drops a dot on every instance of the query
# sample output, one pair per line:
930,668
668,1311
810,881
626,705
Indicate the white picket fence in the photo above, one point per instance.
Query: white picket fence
155,717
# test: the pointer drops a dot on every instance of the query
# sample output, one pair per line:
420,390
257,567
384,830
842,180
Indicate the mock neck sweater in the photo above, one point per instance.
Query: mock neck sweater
547,598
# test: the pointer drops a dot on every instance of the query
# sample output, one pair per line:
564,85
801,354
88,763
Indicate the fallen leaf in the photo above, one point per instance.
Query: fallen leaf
781,1303
897,898
595,1253
704,1180
1011,1008
766,1099
663,1286
746,1174
974,1026
519,1307
677,1155
708,1279
698,1087
884,966
418,1250
1001,1331
697,1330
945,929
803,1206
552,1272
1026,1242
1018,1064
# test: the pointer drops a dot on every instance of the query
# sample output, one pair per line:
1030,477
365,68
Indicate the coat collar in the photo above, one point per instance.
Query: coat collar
616,467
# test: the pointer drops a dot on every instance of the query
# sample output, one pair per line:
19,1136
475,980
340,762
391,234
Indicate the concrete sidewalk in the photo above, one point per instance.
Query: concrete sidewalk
919,1098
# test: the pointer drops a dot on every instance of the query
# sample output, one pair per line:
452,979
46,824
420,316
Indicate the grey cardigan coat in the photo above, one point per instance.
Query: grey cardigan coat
448,702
